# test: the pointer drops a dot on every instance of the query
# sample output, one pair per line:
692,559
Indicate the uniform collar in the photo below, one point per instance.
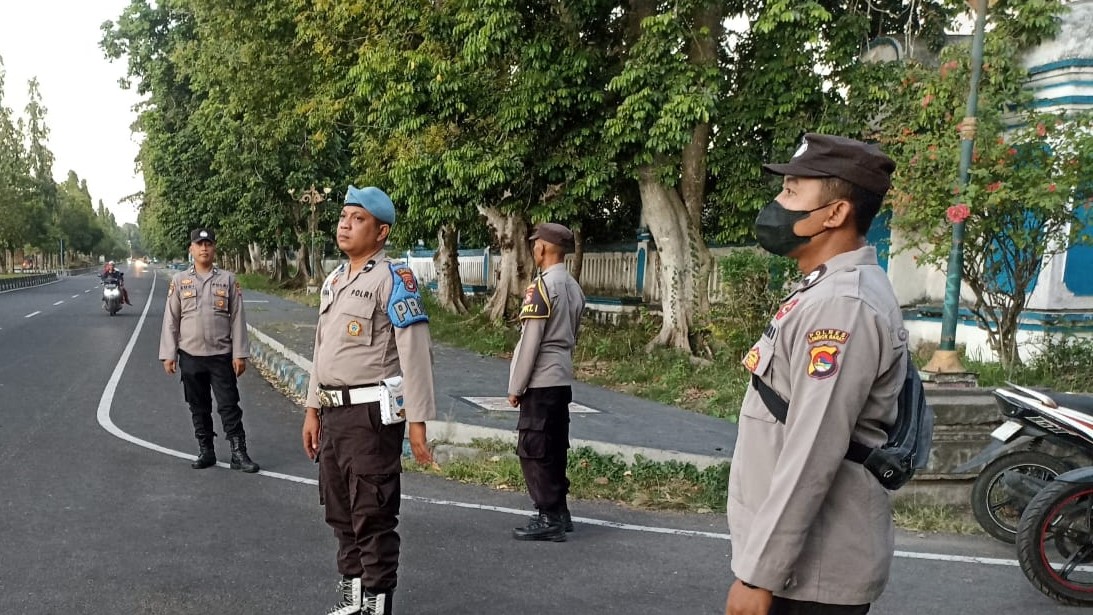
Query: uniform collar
193,270
865,255
552,268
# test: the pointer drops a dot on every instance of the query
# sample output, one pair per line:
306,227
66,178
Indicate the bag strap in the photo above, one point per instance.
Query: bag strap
779,409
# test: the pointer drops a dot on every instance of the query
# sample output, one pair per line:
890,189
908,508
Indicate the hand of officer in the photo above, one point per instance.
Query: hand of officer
240,366
419,443
744,600
169,366
514,401
310,433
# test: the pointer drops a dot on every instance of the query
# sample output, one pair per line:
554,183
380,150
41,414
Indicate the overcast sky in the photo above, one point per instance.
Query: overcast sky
88,114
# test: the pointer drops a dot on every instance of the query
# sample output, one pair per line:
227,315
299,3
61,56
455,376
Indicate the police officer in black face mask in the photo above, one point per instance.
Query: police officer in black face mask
812,528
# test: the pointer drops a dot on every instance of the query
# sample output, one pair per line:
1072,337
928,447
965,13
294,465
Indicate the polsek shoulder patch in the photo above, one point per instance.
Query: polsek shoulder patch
405,307
536,301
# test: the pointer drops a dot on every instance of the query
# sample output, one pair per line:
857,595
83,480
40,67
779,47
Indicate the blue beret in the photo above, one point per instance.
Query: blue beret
374,201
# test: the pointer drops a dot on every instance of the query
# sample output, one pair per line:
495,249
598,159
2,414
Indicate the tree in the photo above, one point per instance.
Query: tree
41,202
14,176
1028,182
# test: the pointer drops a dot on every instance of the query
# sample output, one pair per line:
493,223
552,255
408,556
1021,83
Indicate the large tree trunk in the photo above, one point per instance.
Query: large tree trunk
578,254
663,210
280,265
449,284
517,264
302,270
254,251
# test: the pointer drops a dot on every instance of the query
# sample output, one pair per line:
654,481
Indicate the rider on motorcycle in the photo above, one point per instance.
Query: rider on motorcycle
109,272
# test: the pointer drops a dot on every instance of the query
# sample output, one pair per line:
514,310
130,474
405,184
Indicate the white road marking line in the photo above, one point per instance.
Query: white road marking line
59,302
107,400
74,296
256,301
32,314
88,290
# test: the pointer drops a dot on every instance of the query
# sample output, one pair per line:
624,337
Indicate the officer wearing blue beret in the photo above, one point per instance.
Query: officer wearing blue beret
372,330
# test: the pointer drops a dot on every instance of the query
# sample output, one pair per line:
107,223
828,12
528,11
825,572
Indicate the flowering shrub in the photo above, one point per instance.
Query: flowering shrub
1029,175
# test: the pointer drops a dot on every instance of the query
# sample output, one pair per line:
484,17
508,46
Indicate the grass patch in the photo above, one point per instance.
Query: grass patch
914,516
642,484
263,284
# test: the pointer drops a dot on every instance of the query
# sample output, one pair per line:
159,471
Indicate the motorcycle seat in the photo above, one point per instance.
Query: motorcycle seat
1081,403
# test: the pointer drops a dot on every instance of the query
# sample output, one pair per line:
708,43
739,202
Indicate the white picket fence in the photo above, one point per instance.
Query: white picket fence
611,274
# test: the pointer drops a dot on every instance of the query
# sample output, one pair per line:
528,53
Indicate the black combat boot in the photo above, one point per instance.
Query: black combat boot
378,602
206,454
349,588
240,459
567,520
544,526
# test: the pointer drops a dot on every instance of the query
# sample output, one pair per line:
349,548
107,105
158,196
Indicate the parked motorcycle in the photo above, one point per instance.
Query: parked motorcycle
1040,440
111,296
1055,535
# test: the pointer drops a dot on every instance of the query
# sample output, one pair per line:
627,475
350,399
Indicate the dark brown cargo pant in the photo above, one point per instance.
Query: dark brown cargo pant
360,461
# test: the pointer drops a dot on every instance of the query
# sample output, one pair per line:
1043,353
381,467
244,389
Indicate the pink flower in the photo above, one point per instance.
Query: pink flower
956,189
1041,130
957,213
927,99
1011,152
1051,188
993,187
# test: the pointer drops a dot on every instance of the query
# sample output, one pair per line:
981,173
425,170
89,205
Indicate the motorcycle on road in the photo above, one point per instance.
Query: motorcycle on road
111,296
1045,434
1055,533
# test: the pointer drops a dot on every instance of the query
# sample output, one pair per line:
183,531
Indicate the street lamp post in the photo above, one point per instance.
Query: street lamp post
945,358
312,197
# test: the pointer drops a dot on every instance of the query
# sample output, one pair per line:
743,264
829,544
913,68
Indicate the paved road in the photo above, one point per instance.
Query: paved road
98,516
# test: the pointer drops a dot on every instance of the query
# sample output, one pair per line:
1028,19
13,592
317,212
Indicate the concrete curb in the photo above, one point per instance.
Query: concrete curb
294,371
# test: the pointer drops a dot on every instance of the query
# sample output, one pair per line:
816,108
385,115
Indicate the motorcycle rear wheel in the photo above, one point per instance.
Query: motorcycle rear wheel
998,509
1055,543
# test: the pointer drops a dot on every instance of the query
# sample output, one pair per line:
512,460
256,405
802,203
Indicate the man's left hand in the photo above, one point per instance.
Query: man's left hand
419,444
514,401
744,600
240,366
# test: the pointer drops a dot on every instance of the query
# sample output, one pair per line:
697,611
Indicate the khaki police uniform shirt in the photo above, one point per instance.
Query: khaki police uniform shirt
356,344
204,316
551,316
806,523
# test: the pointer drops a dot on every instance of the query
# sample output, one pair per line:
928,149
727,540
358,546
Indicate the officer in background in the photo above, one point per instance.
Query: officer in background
540,382
811,526
372,326
205,331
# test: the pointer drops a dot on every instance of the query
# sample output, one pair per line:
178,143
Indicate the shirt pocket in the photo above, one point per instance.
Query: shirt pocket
221,303
188,298
758,361
357,322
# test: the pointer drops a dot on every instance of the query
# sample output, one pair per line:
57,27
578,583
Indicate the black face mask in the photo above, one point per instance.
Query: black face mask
774,227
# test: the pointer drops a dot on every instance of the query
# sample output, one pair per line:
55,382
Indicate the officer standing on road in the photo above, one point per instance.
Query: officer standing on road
372,327
812,527
540,382
205,331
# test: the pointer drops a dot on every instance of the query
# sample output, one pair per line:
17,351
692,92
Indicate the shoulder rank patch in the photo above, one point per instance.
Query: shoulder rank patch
171,288
823,361
536,301
816,274
405,306
837,336
238,289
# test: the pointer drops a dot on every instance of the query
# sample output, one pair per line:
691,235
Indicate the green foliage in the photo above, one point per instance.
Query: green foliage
754,285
